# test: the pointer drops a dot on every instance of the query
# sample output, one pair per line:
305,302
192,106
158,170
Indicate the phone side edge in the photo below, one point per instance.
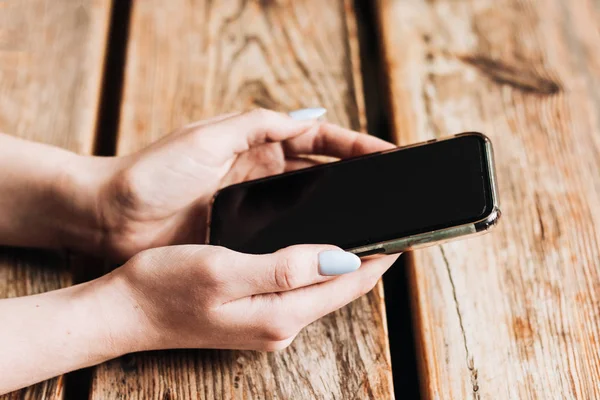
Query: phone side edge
209,216
414,242
440,236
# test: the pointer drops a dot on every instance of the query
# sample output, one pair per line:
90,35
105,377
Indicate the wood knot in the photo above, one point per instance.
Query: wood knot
522,328
518,77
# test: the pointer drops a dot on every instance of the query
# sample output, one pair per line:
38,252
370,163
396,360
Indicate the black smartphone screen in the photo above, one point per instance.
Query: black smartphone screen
361,201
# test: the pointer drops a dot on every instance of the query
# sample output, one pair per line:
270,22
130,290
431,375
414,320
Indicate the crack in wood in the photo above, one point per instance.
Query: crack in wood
523,79
470,361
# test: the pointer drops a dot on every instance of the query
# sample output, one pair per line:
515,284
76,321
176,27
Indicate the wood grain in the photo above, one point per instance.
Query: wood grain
189,60
51,56
513,314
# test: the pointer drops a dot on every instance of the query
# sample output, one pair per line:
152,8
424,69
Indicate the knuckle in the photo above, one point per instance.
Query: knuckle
297,265
286,273
213,261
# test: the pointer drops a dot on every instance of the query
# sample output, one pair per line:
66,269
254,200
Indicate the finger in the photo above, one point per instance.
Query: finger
239,133
333,140
287,269
301,114
294,164
190,129
313,302
211,120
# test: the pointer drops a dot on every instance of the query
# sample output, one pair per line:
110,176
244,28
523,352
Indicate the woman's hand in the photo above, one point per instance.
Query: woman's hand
212,297
118,206
161,195
178,297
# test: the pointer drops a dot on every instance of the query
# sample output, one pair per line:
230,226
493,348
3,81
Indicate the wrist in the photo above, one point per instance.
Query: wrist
125,327
49,195
79,189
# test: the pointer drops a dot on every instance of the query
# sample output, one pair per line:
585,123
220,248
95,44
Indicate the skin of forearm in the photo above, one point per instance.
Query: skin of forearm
45,335
48,196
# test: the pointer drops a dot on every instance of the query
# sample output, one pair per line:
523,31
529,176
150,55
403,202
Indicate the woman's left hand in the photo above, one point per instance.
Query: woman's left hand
161,195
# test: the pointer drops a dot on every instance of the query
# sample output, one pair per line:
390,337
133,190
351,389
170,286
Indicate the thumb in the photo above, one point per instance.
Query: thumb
290,268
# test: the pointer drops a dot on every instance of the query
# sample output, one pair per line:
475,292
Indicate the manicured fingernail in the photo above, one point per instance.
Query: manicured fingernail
337,262
307,113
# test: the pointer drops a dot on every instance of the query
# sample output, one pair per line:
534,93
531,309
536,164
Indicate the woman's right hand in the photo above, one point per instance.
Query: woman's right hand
211,297
179,297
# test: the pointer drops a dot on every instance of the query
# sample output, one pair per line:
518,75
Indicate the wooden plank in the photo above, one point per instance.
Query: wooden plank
513,314
51,57
189,60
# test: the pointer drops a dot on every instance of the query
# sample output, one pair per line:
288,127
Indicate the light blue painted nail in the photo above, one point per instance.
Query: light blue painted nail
337,262
307,113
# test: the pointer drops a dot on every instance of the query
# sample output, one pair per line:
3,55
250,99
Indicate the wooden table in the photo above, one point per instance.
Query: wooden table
514,314
511,315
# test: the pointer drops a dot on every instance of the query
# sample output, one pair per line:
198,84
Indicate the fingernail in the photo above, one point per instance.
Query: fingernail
307,113
337,262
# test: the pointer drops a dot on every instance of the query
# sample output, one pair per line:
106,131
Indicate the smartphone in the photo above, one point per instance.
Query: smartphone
386,202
